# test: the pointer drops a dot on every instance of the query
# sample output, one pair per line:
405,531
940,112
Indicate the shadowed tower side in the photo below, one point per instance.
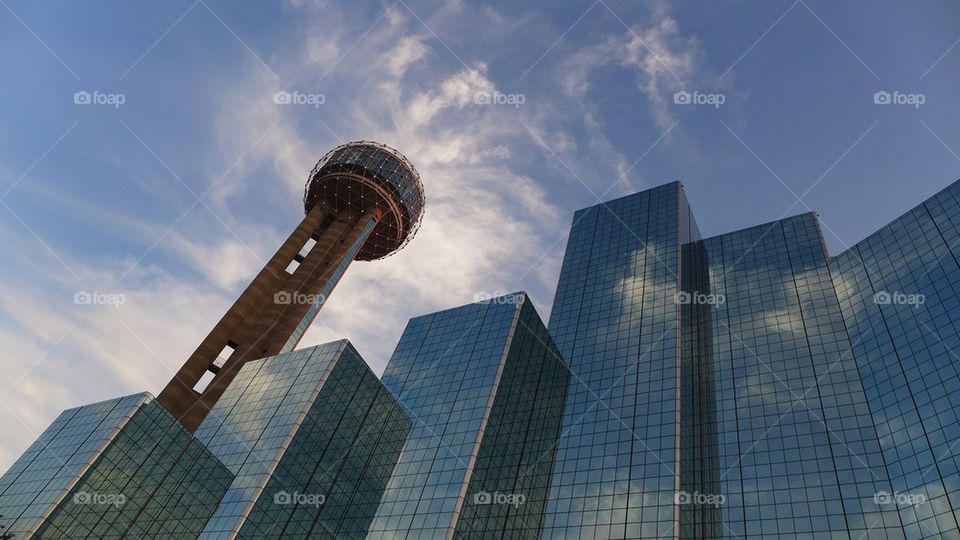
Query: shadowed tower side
363,201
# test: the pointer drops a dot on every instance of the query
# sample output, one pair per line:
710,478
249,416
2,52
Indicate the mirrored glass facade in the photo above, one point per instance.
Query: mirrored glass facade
899,293
778,438
287,436
810,396
509,484
123,468
333,473
154,480
617,326
301,446
43,476
254,419
458,375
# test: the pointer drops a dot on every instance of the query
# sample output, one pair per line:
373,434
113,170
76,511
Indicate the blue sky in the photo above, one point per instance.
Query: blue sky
172,191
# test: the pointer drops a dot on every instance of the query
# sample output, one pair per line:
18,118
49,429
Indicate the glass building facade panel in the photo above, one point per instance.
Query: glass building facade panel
443,372
778,439
775,417
458,374
616,324
898,293
699,436
311,422
154,480
510,480
331,478
37,482
253,419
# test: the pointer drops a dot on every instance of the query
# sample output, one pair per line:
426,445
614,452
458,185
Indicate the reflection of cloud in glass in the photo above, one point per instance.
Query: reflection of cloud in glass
636,286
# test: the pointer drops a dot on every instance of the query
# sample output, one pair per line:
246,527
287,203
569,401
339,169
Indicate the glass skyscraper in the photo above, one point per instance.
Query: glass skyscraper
485,385
310,436
617,327
778,422
115,469
746,385
301,445
899,295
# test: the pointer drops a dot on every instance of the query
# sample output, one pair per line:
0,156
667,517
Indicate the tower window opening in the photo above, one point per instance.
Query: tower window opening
204,382
225,354
307,247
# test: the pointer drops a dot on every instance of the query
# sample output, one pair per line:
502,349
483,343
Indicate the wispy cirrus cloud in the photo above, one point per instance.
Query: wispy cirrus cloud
662,59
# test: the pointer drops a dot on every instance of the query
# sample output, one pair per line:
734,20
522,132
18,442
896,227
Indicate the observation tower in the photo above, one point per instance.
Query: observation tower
363,201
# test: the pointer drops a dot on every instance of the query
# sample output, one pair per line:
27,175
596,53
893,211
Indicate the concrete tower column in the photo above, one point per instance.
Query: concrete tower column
363,201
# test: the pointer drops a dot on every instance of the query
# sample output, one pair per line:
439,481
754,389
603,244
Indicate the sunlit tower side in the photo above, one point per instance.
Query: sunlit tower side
363,201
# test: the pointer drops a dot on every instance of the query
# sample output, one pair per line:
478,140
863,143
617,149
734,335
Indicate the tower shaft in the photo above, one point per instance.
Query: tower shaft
272,313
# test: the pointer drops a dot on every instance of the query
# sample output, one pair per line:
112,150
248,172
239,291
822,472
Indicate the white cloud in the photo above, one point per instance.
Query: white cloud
322,50
661,57
407,51
58,354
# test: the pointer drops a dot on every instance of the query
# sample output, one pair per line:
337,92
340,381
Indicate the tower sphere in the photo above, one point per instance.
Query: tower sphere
362,175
